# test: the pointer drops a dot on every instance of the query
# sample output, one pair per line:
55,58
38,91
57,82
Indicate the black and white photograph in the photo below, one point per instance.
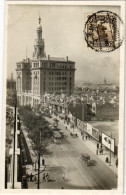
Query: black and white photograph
63,119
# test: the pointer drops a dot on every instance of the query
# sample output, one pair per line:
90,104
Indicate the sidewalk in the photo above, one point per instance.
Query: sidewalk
30,168
92,145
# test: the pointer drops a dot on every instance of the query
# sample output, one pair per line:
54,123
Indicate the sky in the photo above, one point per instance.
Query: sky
63,34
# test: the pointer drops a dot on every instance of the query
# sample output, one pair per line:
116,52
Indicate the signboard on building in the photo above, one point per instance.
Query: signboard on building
80,124
73,119
89,129
108,142
85,127
95,133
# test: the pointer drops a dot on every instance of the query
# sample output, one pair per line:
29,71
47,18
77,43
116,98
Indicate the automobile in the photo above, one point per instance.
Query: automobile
85,157
91,163
56,137
74,135
62,134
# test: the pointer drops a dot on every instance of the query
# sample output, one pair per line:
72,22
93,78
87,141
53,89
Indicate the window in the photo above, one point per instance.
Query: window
53,65
19,66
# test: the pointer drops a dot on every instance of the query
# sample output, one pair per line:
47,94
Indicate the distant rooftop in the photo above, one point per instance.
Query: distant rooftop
58,59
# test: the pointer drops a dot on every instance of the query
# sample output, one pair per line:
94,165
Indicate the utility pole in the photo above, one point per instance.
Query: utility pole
110,151
83,112
15,121
38,169
38,186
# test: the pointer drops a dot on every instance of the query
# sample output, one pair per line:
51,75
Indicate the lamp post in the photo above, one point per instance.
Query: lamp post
38,170
82,100
38,186
110,150
15,121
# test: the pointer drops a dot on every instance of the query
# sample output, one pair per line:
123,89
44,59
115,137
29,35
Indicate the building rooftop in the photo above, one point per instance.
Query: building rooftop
58,59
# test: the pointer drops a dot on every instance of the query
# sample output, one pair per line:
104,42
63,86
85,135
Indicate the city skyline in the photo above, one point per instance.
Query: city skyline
58,40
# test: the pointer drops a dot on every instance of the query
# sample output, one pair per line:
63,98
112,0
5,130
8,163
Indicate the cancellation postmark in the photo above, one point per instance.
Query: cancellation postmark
103,31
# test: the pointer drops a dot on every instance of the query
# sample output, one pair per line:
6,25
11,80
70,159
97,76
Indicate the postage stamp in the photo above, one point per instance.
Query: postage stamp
103,31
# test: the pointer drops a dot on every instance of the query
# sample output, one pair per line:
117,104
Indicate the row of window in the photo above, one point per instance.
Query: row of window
57,88
51,83
57,73
57,78
54,65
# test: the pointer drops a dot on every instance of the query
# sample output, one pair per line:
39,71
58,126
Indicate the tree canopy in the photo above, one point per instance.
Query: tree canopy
37,128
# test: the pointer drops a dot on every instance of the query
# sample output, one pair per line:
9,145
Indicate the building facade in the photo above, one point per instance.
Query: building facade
43,74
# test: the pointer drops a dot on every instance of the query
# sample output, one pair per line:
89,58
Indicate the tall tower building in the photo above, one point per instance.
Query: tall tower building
39,43
42,74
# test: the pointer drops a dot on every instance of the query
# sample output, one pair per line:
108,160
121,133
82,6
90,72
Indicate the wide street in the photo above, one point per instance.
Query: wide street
64,158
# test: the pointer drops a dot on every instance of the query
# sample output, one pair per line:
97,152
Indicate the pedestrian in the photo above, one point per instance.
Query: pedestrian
27,176
47,177
97,145
116,162
35,166
107,160
43,162
97,151
35,178
44,177
32,166
31,177
63,176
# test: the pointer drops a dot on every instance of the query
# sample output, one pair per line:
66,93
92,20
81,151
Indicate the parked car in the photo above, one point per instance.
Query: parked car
91,163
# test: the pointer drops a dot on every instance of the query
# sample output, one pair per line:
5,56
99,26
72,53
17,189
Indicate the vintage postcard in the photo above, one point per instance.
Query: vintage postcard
63,98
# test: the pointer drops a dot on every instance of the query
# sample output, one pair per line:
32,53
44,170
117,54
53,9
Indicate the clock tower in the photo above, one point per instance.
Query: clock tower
39,43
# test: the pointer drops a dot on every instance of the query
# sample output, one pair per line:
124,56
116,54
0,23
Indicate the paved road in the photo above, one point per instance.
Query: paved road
65,159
